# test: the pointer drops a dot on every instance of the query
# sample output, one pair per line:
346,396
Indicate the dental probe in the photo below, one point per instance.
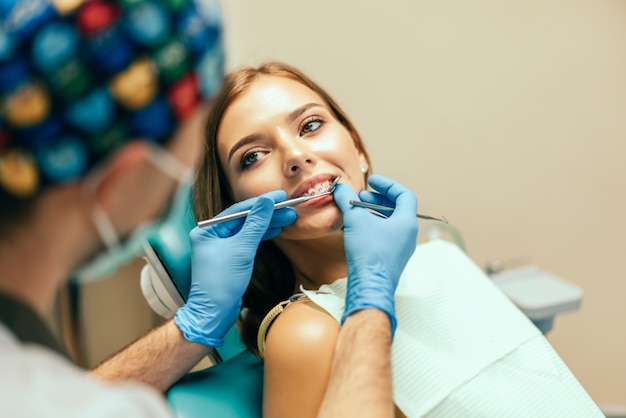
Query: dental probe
279,205
388,209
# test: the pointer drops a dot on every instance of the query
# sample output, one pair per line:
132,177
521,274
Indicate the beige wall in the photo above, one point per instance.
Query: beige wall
114,314
508,117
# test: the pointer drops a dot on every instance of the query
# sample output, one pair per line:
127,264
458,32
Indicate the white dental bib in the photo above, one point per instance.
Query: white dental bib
463,349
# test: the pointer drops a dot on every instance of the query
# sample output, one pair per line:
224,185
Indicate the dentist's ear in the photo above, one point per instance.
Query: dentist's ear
124,187
105,178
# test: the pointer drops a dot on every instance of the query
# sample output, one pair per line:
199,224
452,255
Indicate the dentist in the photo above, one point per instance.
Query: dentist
100,131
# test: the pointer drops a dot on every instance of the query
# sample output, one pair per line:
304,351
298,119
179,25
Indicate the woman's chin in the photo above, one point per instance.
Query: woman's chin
314,227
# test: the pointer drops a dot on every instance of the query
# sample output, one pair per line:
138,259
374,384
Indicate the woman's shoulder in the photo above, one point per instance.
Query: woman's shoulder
299,353
301,328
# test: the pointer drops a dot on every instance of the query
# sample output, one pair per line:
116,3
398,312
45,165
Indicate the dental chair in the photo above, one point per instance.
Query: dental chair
232,384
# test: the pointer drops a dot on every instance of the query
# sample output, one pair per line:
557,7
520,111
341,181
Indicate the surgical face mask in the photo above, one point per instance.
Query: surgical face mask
117,252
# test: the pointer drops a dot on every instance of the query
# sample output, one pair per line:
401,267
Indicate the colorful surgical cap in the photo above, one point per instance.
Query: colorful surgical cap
80,78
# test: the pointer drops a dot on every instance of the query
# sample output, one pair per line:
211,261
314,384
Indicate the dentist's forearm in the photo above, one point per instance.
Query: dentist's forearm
159,358
360,382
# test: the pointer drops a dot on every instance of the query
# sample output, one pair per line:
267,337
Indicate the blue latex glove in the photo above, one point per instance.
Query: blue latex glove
222,258
377,249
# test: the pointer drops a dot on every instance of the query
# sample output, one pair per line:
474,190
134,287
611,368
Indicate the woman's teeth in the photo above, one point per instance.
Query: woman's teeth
318,189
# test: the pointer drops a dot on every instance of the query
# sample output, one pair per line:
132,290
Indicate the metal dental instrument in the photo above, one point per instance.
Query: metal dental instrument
279,205
378,208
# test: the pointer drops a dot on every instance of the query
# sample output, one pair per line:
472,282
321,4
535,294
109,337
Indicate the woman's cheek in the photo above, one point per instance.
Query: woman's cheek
329,144
257,188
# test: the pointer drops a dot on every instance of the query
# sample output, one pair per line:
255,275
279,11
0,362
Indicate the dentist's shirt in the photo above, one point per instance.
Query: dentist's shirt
38,380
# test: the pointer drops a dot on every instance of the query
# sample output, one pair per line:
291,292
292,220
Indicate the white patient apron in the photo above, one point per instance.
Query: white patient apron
463,349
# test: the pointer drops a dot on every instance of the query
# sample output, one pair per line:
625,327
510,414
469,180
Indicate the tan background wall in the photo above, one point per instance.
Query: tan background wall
508,117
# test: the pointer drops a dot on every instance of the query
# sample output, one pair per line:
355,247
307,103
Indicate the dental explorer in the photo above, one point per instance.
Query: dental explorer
280,205
378,208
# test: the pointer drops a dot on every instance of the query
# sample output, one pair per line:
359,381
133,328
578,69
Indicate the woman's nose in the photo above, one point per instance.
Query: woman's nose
297,156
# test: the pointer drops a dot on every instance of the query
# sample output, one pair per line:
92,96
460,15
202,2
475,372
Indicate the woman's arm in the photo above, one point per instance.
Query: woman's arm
298,358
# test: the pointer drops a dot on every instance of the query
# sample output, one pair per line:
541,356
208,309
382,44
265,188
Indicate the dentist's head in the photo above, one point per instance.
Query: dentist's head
100,122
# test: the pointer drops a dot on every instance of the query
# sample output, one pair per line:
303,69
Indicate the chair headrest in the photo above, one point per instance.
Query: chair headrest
166,278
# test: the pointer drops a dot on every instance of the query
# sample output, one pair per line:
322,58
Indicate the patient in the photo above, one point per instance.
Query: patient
272,128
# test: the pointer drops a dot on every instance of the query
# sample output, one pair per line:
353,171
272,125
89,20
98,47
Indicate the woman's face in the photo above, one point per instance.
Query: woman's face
280,134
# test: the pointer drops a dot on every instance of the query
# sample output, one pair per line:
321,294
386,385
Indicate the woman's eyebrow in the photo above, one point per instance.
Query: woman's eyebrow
299,111
242,142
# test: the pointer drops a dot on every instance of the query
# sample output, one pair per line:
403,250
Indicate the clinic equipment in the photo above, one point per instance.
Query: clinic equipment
377,208
540,295
280,205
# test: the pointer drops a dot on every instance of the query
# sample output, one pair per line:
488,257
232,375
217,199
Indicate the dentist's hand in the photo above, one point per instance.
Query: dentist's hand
222,258
377,249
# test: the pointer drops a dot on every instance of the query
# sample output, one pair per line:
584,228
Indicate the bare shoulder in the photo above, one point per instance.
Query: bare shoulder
303,327
299,352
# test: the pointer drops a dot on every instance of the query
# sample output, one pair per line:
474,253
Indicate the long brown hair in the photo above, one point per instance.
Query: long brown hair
273,278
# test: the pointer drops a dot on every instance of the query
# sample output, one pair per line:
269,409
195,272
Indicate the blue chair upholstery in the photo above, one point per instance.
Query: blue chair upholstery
229,389
173,249
232,388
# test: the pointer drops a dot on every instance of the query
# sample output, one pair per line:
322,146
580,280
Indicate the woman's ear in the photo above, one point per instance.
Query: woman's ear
363,163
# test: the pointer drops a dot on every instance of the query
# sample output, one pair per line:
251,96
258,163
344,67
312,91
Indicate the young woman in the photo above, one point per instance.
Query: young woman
273,128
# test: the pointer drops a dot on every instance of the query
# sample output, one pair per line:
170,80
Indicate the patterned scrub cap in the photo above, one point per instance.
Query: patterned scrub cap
80,78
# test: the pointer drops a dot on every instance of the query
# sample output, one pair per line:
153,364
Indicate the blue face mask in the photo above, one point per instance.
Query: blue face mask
117,252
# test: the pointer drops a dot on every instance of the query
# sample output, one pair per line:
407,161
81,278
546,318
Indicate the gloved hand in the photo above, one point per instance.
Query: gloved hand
222,258
377,249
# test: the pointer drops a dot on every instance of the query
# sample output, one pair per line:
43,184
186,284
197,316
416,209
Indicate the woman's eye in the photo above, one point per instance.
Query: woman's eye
250,158
311,125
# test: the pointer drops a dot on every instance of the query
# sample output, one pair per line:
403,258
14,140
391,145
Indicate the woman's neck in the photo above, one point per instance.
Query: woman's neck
316,262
